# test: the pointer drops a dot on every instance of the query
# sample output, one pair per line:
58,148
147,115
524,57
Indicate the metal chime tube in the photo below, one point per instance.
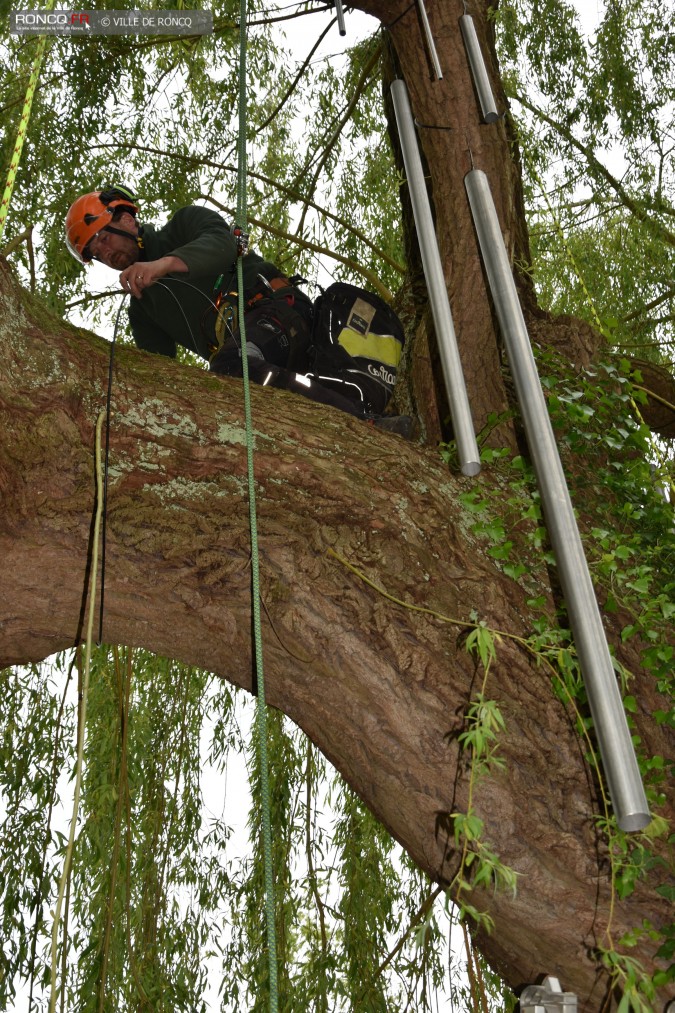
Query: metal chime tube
477,64
462,424
431,45
616,747
339,13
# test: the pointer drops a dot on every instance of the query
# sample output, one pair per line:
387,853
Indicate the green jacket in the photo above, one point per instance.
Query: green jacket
160,320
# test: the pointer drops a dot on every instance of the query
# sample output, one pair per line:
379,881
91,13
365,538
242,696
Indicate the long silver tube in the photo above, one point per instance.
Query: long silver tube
616,747
339,13
431,45
462,423
477,64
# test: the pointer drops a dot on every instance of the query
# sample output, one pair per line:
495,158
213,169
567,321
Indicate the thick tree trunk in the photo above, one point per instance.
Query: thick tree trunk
453,139
380,688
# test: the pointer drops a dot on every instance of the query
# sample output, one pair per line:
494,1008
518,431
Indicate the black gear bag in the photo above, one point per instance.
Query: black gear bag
357,341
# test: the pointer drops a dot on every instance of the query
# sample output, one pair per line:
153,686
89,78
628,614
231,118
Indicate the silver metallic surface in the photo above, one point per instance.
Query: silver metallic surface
431,45
339,13
616,748
547,998
462,424
477,64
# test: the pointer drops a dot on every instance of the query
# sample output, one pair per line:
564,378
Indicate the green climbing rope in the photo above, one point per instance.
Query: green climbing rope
23,125
261,707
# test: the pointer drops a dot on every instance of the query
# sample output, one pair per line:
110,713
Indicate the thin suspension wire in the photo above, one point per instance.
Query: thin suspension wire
83,712
261,708
107,425
161,284
105,469
23,124
209,300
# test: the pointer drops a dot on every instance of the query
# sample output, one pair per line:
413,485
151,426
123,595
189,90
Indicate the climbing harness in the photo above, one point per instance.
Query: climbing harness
23,124
226,304
261,707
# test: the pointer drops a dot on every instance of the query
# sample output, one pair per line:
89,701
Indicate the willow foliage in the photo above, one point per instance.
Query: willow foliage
163,912
596,120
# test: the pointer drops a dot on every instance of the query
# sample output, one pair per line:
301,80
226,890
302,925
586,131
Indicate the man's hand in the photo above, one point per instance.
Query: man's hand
139,276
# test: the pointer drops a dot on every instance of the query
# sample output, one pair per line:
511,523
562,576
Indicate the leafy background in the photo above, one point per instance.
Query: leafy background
164,912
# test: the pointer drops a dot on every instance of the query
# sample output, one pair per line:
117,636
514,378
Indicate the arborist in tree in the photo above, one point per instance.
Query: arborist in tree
183,279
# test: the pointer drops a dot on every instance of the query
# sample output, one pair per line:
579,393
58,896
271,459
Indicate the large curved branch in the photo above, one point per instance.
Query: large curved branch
382,689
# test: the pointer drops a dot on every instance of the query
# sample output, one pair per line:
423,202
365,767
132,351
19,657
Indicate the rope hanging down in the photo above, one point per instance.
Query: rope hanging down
82,719
240,231
23,125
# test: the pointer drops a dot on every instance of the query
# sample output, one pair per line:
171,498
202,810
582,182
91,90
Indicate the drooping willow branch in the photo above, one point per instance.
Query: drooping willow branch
306,244
296,80
294,194
361,85
598,169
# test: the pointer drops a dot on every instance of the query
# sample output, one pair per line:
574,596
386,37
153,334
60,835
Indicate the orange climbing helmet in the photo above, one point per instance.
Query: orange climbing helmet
92,213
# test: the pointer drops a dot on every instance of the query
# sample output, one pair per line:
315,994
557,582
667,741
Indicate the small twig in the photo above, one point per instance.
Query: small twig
93,297
305,244
306,660
17,241
296,80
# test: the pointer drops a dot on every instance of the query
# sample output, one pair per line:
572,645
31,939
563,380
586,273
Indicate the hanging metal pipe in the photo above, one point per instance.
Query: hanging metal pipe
478,71
616,748
339,13
431,45
462,424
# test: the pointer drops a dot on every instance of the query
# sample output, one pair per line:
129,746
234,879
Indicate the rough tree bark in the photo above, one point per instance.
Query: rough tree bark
380,688
452,140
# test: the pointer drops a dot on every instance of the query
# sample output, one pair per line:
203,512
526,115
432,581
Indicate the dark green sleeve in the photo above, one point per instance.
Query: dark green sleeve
203,242
147,334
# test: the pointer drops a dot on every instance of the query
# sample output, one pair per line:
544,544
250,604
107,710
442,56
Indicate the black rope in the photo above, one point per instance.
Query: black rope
432,126
401,15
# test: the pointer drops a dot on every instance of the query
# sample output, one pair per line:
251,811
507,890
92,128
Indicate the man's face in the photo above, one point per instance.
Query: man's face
116,251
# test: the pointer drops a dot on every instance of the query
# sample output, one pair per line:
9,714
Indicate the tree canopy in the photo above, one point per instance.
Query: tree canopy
445,737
